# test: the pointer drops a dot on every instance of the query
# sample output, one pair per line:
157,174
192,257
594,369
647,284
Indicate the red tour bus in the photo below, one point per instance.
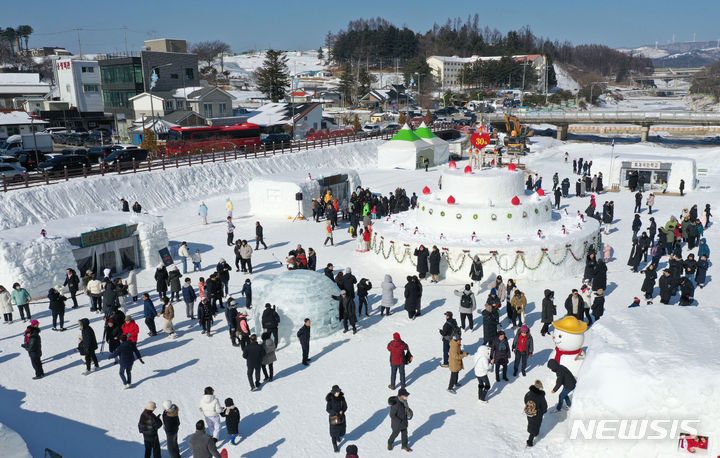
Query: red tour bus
190,140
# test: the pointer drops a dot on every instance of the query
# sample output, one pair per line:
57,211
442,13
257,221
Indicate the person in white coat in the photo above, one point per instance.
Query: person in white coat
6,305
481,366
586,294
131,283
211,408
388,295
184,255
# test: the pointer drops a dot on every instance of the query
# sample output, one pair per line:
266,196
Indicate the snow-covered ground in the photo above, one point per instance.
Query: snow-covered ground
655,361
243,65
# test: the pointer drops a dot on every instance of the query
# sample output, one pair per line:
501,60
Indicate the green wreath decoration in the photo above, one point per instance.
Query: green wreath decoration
475,216
509,215
442,213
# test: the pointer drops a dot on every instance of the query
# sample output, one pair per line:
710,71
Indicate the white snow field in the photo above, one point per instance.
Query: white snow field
656,361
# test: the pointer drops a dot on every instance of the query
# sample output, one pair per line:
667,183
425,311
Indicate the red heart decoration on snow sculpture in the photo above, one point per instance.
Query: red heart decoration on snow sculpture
540,192
451,200
468,170
511,167
452,165
426,190
515,200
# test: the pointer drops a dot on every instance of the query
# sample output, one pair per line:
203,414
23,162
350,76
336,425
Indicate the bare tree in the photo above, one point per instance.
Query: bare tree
208,51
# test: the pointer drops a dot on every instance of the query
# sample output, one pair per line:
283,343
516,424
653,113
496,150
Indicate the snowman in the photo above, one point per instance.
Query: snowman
568,336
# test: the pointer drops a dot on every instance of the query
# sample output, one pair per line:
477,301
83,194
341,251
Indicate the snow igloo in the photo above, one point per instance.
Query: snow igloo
297,294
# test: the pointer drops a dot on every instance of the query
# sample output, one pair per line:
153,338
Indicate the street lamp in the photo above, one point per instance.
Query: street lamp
153,78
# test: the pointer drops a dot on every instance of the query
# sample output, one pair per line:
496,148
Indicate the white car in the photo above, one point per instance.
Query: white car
11,172
371,128
9,160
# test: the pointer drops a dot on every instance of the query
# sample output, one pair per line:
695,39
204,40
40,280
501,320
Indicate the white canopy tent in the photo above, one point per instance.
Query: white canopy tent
440,146
405,151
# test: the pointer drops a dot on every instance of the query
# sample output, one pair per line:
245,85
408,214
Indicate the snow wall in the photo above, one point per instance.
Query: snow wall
164,189
297,294
39,264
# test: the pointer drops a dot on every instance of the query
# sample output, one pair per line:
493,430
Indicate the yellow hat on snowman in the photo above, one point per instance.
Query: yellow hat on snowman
571,325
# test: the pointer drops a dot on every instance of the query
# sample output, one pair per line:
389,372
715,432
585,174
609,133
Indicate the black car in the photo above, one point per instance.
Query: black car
74,151
96,154
59,163
30,159
126,156
98,137
76,138
276,139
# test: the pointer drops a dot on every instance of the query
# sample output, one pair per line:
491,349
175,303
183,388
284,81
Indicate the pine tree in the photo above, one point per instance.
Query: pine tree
345,87
274,76
365,81
320,54
356,123
401,119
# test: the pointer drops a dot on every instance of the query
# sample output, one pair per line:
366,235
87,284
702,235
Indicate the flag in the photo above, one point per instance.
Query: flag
613,144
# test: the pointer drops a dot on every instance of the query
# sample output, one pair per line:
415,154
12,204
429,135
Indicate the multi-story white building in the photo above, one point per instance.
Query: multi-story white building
446,70
79,84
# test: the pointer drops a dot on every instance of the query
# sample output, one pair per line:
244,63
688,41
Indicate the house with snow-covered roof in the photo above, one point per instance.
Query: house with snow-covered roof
16,122
299,118
208,102
20,85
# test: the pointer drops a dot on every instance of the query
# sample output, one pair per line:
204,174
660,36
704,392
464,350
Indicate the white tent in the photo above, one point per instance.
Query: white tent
275,195
440,146
405,151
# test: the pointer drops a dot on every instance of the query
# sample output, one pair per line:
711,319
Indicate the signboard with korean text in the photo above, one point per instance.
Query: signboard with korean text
103,235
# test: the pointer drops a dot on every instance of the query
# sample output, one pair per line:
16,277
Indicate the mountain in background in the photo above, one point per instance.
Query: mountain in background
679,55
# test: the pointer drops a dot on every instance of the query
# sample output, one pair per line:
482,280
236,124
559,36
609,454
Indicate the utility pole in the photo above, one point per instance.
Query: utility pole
79,44
125,37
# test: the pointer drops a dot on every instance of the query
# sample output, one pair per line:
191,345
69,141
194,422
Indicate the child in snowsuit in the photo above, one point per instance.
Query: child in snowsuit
232,419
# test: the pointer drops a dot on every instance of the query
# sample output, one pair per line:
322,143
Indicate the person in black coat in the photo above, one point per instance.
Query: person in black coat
205,315
535,408
575,300
161,281
666,285
348,307
635,256
490,324
476,269
259,236
652,229
231,316
348,283
400,414
636,225
253,353
109,299
599,279
34,348
648,285
598,306
303,336
148,426
73,283
362,292
113,331
548,311
125,353
232,419
223,270
449,328
312,259
500,352
565,379
270,321
687,291
88,345
336,406
411,298
328,271
590,264
57,307
558,194
422,254
171,425
434,261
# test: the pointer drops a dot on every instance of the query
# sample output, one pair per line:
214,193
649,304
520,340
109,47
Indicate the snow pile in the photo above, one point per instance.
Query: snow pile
13,446
564,80
152,237
38,264
656,376
297,294
162,189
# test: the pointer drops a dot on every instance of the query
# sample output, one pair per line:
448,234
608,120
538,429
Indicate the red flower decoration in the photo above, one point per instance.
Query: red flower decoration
540,192
511,167
426,190
468,170
452,165
515,200
451,200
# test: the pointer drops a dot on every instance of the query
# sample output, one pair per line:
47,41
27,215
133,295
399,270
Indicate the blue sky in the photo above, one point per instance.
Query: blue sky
303,25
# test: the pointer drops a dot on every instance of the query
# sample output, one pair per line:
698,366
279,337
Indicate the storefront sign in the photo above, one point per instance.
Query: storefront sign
103,235
645,164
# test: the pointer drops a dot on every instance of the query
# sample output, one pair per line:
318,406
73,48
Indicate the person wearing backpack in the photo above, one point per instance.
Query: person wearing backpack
456,365
449,328
523,347
535,408
467,306
397,349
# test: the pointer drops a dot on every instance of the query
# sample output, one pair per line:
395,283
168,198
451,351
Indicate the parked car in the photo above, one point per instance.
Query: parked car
276,139
75,151
76,138
126,156
98,137
31,159
392,127
59,163
10,172
96,154
9,160
372,129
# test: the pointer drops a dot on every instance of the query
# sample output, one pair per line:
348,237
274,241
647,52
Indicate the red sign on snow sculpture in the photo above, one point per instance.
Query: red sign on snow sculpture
451,200
426,190
480,140
515,200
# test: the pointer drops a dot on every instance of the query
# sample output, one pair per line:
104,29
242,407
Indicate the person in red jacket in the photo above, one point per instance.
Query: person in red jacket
523,347
397,349
131,329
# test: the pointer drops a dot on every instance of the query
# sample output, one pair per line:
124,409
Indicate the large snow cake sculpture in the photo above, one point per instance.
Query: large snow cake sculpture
488,213
297,294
